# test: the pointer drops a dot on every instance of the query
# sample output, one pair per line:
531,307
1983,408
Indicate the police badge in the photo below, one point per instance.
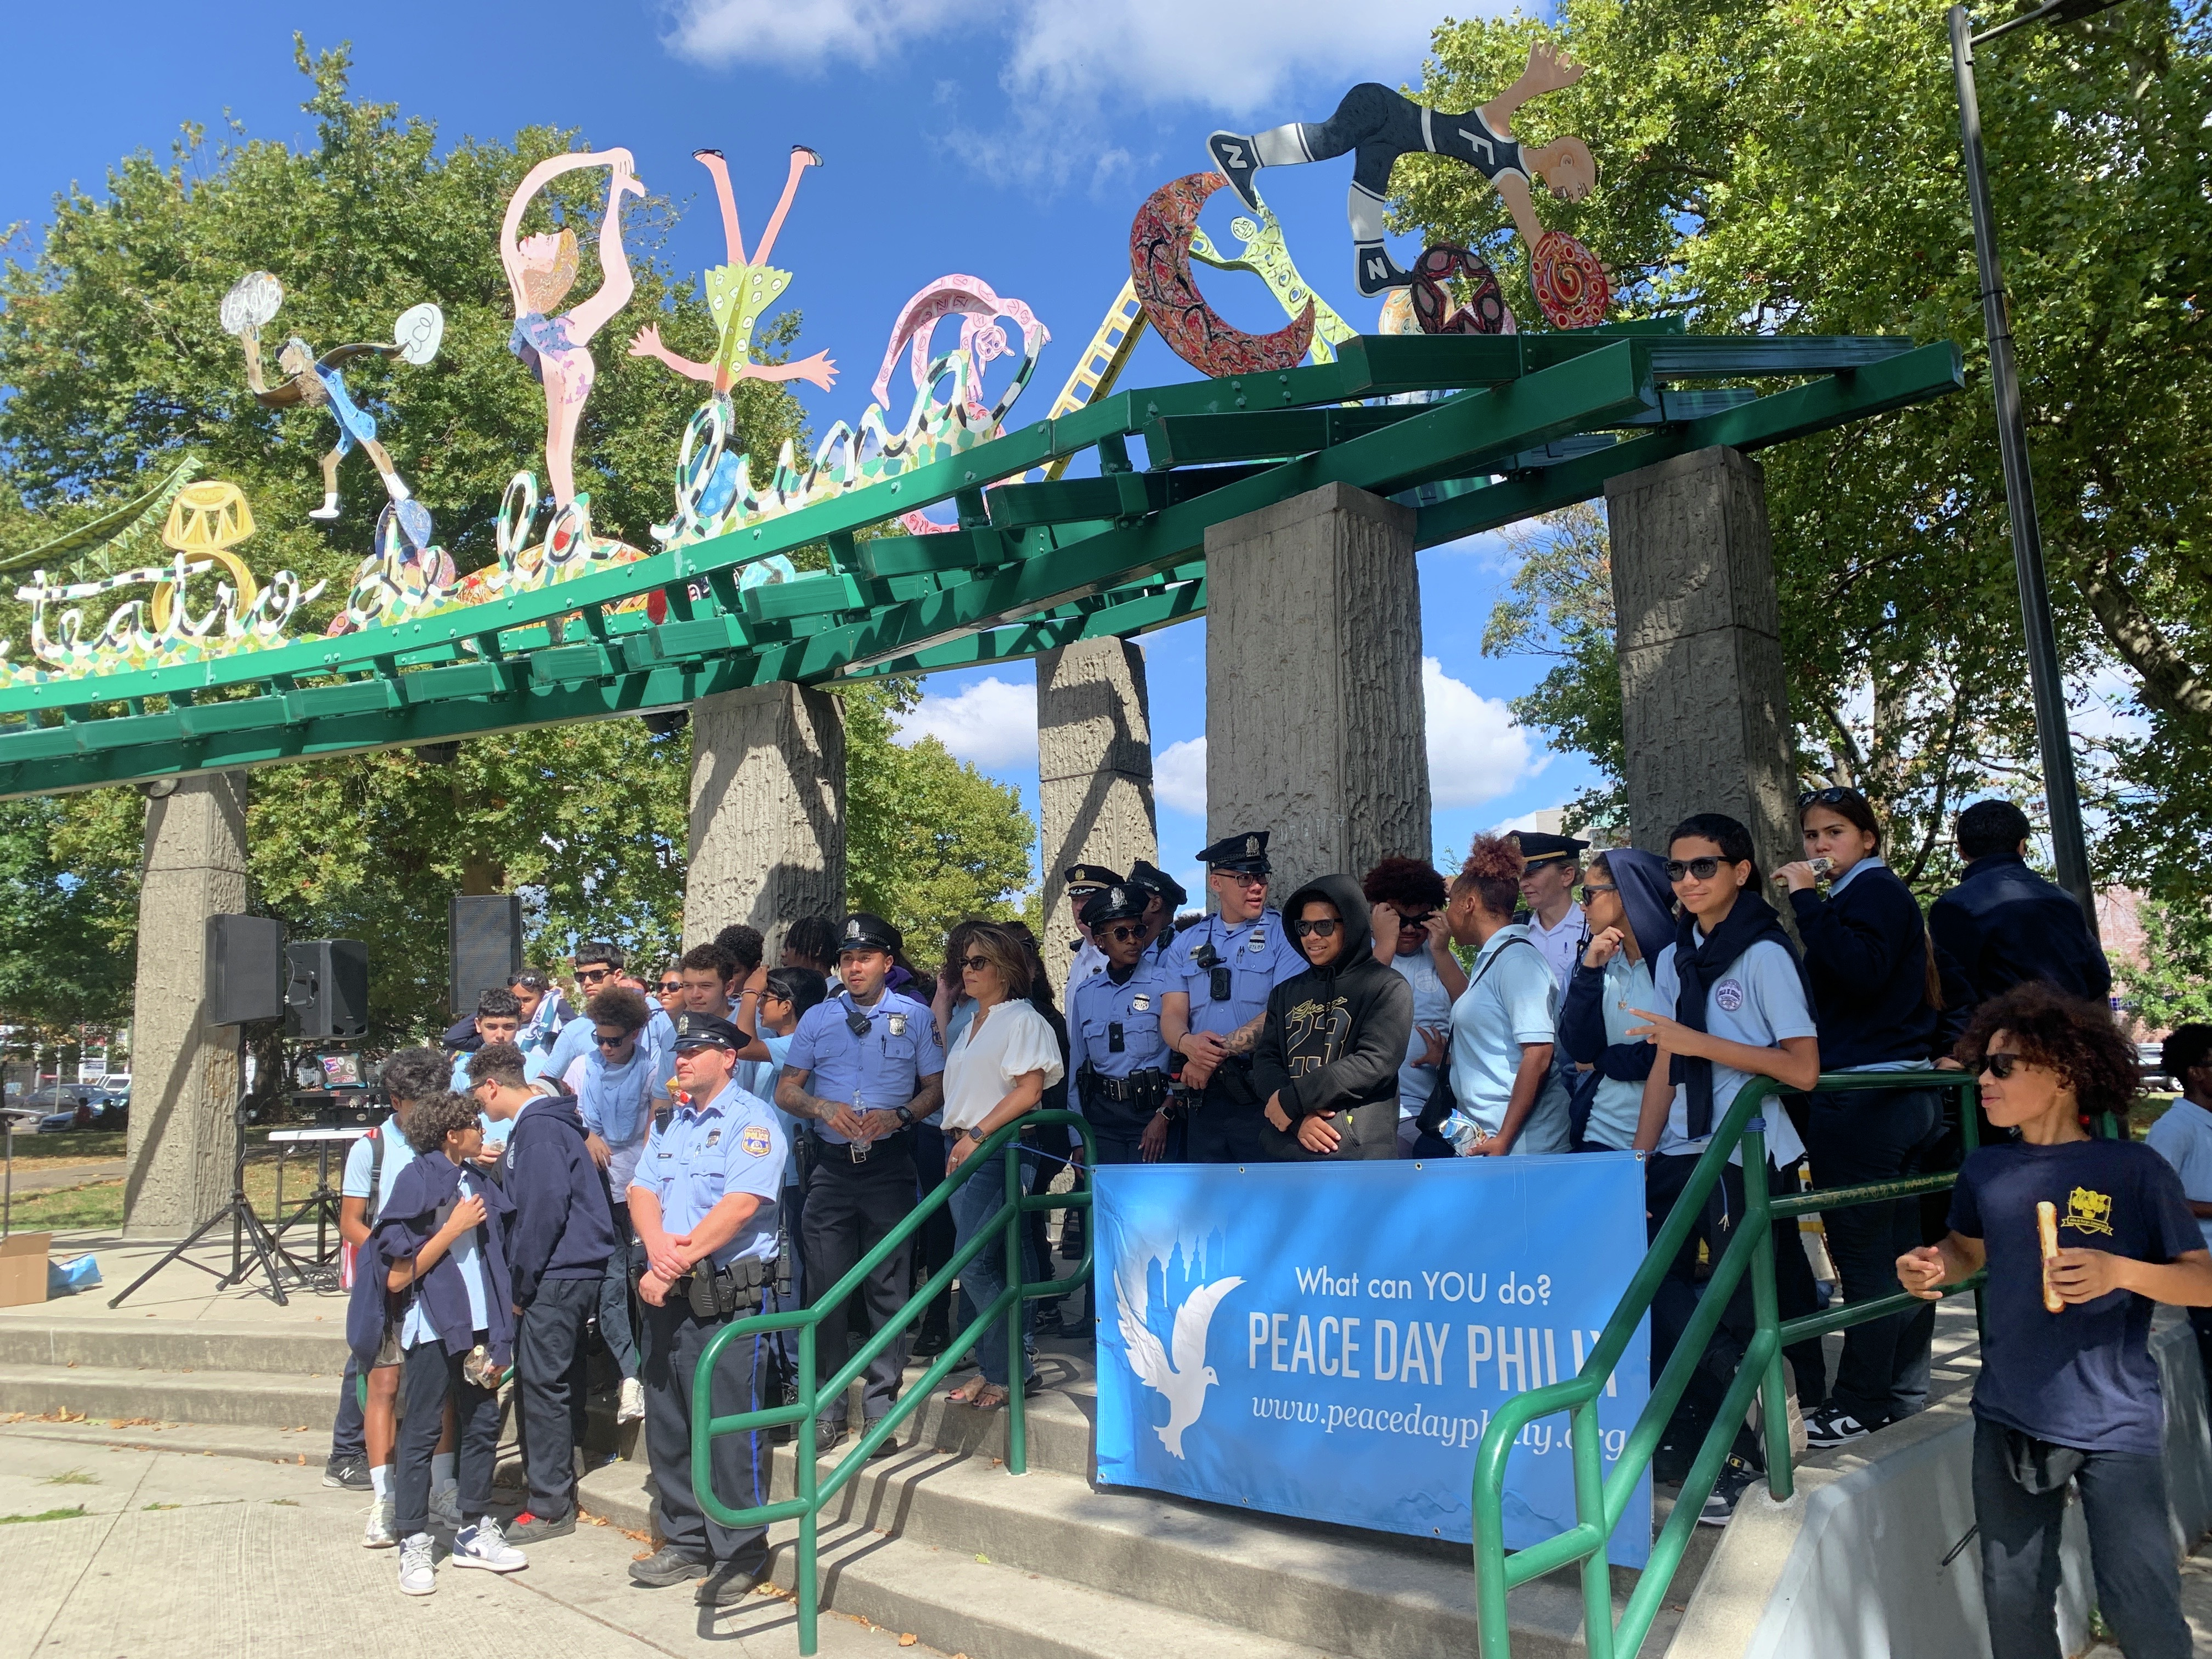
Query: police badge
1140,1004
897,1024
712,1136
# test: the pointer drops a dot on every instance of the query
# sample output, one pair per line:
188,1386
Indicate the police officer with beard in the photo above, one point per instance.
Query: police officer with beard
866,1065
1218,975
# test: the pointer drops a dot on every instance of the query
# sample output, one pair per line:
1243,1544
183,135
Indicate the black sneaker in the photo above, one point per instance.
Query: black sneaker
729,1583
1375,271
1234,161
890,1444
528,1528
668,1565
1736,1478
827,1435
1832,1425
350,1472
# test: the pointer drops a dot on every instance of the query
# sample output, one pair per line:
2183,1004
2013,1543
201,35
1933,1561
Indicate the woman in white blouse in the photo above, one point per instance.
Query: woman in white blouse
997,1070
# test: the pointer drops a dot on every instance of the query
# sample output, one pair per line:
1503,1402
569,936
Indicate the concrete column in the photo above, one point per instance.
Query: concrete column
1315,725
1704,700
184,1089
767,811
1094,773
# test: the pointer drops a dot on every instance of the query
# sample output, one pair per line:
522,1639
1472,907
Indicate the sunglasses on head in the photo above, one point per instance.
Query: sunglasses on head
1588,891
1324,928
1126,931
1998,1064
1830,797
1700,869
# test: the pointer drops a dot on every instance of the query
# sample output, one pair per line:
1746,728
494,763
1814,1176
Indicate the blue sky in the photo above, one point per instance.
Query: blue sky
1009,139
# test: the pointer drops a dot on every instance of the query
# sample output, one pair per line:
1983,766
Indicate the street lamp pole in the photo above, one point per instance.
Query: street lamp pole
2069,850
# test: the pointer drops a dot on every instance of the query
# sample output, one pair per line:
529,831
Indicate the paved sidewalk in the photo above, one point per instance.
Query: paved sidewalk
30,1178
178,1557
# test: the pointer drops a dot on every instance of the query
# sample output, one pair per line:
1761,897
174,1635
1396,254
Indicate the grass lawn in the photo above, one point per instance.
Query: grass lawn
100,1204
68,1146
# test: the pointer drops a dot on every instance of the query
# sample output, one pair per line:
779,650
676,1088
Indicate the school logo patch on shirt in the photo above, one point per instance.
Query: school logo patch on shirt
757,1140
2088,1212
1728,996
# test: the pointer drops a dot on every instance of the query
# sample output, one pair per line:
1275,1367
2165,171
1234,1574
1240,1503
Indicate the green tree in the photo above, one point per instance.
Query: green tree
1775,165
58,966
2173,986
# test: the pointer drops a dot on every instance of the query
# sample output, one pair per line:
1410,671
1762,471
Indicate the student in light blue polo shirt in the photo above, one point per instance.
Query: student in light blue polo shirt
499,1017
1507,1096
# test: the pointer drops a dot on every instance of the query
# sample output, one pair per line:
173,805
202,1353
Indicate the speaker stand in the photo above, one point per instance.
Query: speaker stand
246,1227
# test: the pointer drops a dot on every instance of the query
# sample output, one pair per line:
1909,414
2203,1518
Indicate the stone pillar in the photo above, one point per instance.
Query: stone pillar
184,1088
767,811
1705,702
1094,774
1314,725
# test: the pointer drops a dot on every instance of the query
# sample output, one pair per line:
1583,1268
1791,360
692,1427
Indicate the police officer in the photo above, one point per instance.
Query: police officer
1084,882
1168,897
1556,928
866,1065
703,1201
1220,973
1114,1029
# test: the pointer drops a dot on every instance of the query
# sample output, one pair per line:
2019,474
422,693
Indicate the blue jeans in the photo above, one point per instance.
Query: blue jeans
975,1201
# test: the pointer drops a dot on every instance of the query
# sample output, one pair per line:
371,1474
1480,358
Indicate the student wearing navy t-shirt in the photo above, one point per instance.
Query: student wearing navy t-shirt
2071,1394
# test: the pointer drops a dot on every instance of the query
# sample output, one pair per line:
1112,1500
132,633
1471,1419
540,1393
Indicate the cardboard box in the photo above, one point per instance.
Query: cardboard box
23,1268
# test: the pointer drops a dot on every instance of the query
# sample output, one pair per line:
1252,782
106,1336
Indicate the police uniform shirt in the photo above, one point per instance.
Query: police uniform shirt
1561,945
1099,1010
1259,955
879,1072
1089,961
700,1155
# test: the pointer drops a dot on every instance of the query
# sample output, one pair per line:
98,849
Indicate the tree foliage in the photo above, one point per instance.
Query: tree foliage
1785,166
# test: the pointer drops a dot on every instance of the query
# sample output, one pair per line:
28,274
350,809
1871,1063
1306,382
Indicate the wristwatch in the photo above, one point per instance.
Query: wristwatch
974,1133
907,1120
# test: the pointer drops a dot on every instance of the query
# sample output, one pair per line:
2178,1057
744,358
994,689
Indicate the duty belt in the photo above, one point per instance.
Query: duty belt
1147,1088
721,1291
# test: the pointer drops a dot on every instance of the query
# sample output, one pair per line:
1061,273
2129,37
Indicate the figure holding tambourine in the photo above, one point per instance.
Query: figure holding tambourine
2081,1236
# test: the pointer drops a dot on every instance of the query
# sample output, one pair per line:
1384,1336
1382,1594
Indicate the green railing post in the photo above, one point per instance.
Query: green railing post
1759,1219
1017,1359
1589,1501
806,1479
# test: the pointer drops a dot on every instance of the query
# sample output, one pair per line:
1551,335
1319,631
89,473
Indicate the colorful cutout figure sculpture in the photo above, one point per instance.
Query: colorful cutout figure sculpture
1159,268
1376,125
540,271
738,293
251,305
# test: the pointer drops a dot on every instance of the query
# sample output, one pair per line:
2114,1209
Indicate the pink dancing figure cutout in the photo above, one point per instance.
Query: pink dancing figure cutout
541,270
738,293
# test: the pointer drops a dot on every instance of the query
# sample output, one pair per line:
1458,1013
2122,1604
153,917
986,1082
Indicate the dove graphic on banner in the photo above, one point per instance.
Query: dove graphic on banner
1184,1376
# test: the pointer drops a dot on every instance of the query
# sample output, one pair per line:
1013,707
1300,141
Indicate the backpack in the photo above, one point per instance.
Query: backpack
374,1202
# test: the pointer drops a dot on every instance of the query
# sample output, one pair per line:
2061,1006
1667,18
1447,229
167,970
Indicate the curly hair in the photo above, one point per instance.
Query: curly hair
415,1074
1407,883
1491,873
428,1122
497,1063
619,1006
2070,1036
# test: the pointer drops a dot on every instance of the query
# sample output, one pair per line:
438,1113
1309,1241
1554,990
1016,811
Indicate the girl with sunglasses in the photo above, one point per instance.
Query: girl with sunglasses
2080,1238
1630,909
1333,1036
1876,1004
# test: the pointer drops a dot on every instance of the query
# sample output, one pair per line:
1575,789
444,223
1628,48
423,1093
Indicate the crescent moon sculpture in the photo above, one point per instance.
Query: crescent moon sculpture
1159,268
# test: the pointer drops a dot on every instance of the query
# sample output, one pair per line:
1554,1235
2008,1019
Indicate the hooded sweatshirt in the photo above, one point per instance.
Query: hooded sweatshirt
1595,1019
1334,1036
420,1193
563,1220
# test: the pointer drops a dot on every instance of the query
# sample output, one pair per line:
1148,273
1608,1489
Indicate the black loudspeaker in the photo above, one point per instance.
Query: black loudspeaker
328,992
244,970
485,935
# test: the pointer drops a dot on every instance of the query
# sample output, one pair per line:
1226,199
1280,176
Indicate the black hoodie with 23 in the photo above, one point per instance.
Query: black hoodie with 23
1334,1038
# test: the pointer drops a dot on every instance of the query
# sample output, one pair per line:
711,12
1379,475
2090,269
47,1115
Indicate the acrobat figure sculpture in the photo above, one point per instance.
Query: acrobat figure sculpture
541,270
251,305
1378,125
739,292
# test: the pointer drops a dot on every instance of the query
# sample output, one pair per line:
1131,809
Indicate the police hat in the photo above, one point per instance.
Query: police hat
705,1031
1116,903
1245,852
1538,847
1088,878
864,932
1146,874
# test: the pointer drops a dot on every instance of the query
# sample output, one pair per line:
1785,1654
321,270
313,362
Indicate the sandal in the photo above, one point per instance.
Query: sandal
969,1393
989,1397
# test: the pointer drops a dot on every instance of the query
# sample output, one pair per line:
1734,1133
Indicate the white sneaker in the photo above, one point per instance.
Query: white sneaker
446,1507
378,1534
418,1576
327,511
485,1546
633,1402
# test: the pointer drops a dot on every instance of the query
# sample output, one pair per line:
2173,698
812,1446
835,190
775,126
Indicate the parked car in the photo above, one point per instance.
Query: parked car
2150,1065
58,1097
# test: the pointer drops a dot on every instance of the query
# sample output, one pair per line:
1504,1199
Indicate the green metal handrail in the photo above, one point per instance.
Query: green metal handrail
813,1492
1600,1500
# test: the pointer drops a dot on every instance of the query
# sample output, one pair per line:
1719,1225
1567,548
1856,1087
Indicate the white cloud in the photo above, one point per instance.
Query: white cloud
990,723
804,34
1179,778
1477,750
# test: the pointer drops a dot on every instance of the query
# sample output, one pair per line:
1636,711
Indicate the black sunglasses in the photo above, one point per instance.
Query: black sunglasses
1829,797
1588,890
974,964
589,976
606,1042
1126,931
670,987
1325,928
1998,1065
1421,920
1701,869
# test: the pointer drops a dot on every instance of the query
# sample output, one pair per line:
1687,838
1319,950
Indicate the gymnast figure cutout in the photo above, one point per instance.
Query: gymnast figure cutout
1378,126
739,292
541,270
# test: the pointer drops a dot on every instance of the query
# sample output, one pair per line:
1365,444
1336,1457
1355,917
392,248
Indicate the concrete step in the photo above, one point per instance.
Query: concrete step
227,1398
307,1347
1319,1588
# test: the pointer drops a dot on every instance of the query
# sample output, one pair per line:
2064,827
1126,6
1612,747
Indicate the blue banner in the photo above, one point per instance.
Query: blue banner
1329,1340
